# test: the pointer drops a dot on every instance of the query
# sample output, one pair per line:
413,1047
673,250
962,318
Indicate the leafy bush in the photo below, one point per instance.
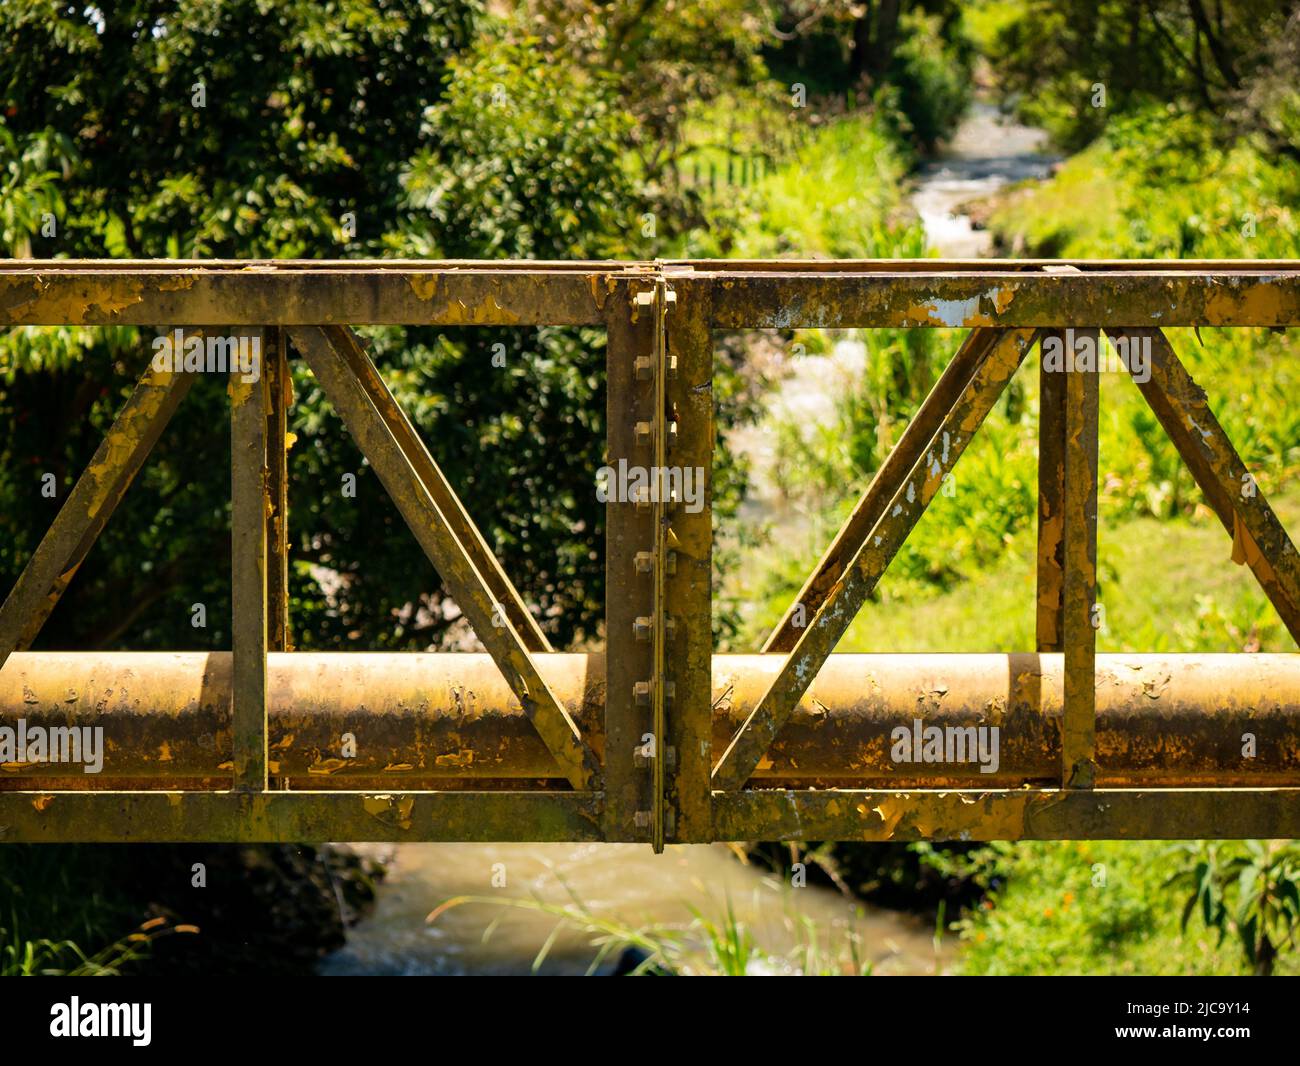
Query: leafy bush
1251,888
930,78
1086,908
527,161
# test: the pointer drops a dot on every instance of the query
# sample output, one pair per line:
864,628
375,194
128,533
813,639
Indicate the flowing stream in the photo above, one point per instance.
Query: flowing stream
623,884
988,152
626,885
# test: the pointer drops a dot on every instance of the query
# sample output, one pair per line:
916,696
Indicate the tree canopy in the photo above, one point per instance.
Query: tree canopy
245,128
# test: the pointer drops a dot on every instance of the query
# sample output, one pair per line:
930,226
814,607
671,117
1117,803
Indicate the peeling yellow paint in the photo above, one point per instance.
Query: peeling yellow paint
391,810
1260,301
425,286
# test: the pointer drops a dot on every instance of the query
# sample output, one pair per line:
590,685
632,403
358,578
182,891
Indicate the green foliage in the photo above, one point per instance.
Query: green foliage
840,198
309,112
1251,888
912,61
1235,61
666,63
529,162
76,918
64,958
929,84
1159,185
29,191
1085,908
64,893
350,129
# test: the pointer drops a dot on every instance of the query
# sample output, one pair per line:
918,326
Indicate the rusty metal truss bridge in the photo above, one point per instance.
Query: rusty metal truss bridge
657,739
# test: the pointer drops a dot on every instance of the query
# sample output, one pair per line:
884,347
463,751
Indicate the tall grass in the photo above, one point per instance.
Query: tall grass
840,195
42,957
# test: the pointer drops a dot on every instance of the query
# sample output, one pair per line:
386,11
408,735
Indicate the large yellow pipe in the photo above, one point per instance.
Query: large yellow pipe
449,720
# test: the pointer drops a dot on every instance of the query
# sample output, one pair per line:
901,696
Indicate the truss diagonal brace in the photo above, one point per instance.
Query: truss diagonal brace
439,488
89,506
437,537
1180,405
871,556
886,482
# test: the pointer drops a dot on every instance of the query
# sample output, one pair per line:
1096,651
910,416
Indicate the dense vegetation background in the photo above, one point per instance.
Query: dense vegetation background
577,128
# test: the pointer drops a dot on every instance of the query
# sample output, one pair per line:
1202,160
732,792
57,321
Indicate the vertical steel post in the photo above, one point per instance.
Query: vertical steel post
688,593
1051,497
1078,726
279,391
248,533
664,499
629,558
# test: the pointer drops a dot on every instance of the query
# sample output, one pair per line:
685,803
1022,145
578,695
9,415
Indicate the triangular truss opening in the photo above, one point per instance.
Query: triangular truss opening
913,473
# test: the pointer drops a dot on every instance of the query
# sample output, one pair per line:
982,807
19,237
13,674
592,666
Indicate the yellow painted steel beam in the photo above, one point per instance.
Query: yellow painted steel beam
771,294
298,817
249,482
52,293
906,299
1040,814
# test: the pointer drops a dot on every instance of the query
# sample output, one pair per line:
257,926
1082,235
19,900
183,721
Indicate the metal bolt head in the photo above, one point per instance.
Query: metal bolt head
644,562
643,433
641,693
644,368
642,626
